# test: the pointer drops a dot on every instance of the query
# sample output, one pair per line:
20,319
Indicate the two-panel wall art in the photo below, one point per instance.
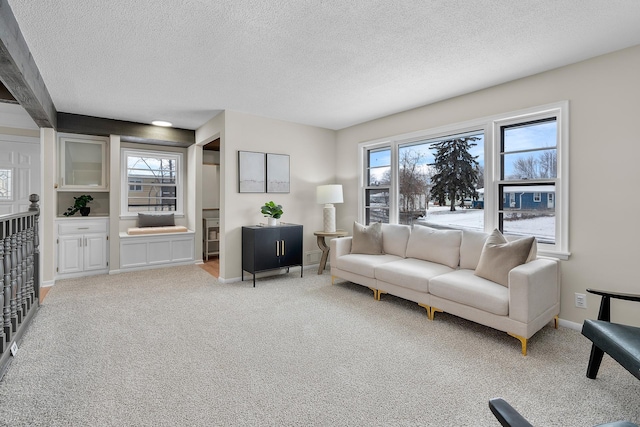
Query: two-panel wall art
263,172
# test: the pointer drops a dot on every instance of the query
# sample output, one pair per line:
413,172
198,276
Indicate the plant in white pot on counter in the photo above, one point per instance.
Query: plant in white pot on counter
272,211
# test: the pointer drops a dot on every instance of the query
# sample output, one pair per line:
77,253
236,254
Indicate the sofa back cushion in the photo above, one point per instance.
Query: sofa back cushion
471,248
367,239
395,238
429,244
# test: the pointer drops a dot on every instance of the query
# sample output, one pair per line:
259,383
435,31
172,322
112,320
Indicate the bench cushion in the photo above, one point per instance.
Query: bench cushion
135,231
621,342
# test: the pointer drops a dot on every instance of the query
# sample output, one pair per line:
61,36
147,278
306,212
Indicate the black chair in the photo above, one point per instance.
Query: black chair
509,417
621,342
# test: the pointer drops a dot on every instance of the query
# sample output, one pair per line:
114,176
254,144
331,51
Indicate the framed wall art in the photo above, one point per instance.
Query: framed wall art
277,173
251,172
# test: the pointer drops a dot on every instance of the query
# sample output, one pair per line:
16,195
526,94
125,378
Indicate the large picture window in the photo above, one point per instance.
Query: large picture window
151,182
507,171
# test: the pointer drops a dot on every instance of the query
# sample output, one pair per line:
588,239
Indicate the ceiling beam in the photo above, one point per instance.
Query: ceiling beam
128,131
5,95
19,72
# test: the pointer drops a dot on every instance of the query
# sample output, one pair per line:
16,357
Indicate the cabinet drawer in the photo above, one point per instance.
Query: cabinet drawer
212,222
73,227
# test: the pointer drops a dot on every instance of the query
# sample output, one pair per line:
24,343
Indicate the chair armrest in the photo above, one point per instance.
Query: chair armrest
534,288
617,295
506,414
339,247
605,304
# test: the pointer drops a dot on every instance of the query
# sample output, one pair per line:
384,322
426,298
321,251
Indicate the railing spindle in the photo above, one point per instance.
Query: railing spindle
7,282
14,279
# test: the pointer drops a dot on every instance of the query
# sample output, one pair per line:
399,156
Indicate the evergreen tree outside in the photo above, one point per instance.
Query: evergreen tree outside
457,171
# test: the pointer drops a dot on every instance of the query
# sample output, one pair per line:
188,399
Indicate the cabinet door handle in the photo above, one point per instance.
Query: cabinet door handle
83,228
85,241
282,247
277,248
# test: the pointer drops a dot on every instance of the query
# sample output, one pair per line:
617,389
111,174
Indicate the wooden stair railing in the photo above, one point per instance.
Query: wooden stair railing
19,277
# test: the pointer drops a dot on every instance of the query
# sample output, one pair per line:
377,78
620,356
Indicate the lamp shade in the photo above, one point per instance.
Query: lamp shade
327,194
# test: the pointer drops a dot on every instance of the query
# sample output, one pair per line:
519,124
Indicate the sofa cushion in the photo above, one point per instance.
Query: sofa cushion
410,273
429,244
464,287
395,238
367,239
155,220
499,256
362,264
471,248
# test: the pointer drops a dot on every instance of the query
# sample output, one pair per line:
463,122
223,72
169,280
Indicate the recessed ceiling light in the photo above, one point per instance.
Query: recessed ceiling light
162,123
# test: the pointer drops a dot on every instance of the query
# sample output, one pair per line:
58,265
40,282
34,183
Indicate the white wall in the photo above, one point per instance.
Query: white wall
604,152
312,159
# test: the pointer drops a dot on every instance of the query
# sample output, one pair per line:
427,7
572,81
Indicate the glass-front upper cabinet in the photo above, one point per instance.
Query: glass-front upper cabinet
82,163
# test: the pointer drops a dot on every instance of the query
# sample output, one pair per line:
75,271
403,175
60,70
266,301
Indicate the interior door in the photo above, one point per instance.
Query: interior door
19,172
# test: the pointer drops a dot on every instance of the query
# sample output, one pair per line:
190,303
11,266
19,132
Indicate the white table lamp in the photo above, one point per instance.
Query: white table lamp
327,195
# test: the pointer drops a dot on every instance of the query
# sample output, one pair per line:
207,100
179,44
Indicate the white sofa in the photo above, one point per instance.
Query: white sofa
438,273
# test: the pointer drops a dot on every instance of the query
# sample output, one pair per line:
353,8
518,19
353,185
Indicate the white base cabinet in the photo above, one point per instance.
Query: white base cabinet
83,246
156,250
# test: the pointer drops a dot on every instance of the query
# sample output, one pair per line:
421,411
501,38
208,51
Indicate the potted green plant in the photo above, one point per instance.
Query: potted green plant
79,204
272,211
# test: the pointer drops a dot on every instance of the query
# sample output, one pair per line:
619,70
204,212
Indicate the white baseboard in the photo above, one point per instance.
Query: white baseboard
151,267
570,325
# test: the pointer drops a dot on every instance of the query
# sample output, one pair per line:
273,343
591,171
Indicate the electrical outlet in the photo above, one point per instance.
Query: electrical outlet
581,300
313,257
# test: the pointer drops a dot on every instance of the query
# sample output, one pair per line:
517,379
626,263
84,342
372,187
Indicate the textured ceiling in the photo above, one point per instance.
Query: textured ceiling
331,63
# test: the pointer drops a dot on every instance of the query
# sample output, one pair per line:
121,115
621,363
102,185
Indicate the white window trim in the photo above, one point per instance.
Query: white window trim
12,175
124,185
491,127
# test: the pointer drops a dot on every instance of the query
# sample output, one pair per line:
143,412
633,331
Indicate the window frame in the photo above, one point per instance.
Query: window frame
124,184
365,179
10,186
491,126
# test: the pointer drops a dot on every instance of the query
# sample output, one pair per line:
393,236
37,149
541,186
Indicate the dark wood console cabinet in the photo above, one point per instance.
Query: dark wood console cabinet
271,248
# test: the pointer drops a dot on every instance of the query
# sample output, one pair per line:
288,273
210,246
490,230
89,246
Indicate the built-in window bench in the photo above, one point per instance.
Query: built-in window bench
152,247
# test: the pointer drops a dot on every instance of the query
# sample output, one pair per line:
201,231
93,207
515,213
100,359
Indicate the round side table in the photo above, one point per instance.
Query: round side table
323,245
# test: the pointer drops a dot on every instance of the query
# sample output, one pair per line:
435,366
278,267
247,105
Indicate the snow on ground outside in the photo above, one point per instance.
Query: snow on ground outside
473,219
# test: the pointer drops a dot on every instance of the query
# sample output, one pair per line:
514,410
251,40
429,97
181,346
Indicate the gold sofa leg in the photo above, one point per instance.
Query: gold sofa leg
380,294
333,280
523,341
433,311
376,294
555,322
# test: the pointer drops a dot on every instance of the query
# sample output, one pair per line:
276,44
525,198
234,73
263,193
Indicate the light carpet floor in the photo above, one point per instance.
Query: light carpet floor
174,347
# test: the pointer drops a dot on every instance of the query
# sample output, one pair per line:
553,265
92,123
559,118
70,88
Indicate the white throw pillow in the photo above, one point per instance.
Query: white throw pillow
429,244
499,256
367,240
